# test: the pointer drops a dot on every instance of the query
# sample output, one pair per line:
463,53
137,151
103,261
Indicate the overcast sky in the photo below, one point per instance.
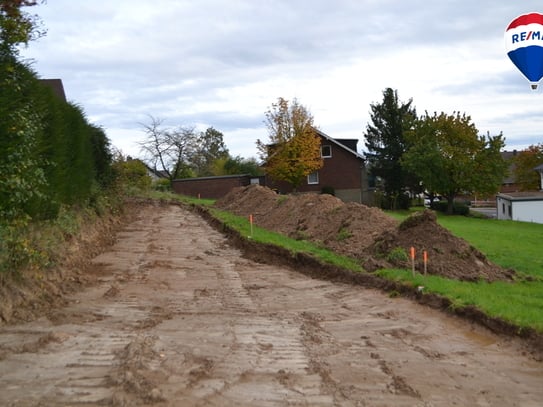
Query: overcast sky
222,63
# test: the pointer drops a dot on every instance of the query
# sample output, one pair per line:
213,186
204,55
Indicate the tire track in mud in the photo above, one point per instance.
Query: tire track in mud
180,318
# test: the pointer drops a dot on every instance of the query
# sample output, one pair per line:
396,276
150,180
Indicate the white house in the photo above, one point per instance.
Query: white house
523,206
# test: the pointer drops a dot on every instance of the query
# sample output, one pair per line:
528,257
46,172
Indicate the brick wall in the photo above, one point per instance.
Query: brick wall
210,187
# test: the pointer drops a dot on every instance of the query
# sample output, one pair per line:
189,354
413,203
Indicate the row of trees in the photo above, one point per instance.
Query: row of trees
182,152
50,154
440,154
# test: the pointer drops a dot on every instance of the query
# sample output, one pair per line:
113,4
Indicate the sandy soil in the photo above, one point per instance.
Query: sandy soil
179,318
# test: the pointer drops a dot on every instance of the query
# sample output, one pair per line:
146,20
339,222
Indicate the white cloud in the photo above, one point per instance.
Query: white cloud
222,64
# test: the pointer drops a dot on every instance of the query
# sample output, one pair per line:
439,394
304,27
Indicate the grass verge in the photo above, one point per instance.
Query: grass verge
520,303
260,235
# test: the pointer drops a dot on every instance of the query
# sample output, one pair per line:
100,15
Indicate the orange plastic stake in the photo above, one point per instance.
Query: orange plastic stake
413,260
251,222
425,258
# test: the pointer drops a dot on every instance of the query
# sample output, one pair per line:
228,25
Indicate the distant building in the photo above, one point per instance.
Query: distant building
57,87
343,173
526,206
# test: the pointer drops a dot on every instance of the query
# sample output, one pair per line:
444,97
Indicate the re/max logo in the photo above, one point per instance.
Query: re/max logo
526,36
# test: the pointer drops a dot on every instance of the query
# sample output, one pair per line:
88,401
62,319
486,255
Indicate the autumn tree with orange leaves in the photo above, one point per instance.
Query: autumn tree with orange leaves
525,162
293,151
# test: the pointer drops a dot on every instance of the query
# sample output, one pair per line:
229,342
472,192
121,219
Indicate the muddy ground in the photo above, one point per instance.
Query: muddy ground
177,317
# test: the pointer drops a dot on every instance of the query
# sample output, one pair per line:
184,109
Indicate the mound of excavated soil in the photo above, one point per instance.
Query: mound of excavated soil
365,233
346,228
448,255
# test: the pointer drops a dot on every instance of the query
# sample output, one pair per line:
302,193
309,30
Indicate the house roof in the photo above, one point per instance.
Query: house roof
340,144
522,196
56,86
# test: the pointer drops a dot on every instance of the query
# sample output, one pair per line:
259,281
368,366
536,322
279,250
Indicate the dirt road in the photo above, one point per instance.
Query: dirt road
179,318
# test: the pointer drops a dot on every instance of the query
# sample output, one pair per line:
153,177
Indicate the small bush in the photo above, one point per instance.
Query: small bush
162,184
458,208
392,202
397,255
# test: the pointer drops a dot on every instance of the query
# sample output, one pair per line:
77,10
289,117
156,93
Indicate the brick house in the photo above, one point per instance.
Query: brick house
343,172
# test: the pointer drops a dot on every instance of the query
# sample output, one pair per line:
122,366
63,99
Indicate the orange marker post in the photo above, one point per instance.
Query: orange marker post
251,222
413,260
425,258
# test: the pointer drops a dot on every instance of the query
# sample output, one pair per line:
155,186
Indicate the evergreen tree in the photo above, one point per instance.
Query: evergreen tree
386,143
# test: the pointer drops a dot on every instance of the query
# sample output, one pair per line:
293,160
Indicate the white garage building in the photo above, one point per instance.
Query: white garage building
521,206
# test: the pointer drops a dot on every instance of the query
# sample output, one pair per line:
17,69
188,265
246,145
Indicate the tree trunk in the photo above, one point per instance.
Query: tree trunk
450,205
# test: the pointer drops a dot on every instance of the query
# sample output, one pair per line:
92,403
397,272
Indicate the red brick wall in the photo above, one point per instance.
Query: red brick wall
209,187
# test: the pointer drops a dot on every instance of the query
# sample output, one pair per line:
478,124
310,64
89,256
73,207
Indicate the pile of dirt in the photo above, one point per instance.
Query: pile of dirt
347,228
447,255
364,233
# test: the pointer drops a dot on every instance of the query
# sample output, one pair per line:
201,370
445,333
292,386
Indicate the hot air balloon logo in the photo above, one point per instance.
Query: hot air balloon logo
524,45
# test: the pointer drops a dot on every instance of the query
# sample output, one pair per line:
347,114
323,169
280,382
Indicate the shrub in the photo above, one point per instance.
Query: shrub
392,202
397,255
162,184
458,208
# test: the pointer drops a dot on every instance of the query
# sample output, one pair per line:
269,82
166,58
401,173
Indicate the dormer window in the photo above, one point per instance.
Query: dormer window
326,151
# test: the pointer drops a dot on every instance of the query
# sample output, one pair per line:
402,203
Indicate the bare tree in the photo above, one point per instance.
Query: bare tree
169,150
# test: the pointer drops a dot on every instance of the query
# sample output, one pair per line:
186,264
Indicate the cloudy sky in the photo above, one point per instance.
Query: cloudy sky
223,63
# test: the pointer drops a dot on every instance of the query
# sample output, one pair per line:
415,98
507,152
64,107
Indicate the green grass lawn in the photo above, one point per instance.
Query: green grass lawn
515,245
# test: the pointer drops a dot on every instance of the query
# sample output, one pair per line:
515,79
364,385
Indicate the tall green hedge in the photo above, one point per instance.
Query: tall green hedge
50,155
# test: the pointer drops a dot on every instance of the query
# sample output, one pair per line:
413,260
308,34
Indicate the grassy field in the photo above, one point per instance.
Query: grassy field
513,245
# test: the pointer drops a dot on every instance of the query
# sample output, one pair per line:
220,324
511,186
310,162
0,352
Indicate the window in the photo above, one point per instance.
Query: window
326,151
313,178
